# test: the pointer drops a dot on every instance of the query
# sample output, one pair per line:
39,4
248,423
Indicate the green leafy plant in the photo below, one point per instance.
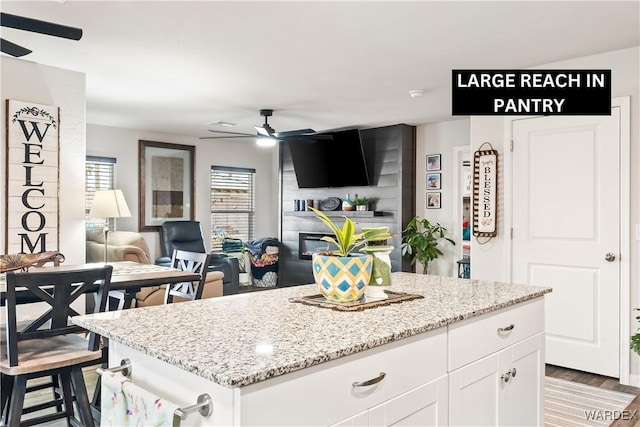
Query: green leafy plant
635,338
346,239
421,240
361,201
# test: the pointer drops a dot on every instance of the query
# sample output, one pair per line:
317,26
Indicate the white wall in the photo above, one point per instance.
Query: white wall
490,261
32,82
123,145
441,138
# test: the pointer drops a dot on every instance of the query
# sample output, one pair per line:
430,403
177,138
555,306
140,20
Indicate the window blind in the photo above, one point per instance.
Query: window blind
99,175
232,204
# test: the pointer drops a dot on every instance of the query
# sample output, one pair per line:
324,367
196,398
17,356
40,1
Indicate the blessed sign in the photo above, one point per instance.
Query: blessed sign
485,184
32,177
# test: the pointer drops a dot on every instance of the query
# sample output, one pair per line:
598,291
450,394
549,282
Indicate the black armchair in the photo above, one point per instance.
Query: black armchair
187,236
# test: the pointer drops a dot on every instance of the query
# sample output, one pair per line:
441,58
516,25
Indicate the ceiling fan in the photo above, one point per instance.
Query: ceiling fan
35,26
267,132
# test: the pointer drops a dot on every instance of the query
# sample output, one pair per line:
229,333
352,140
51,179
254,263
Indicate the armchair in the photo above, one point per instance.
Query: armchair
187,236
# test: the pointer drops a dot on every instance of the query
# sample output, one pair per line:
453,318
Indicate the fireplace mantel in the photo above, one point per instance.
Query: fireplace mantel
338,214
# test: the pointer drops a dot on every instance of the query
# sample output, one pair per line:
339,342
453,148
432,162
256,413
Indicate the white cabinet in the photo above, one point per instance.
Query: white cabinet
325,394
423,406
505,386
454,375
502,389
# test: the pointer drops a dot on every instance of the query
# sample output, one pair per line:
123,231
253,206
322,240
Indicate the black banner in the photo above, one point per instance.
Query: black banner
525,92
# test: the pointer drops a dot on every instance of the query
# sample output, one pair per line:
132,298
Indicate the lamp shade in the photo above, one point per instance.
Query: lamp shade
109,204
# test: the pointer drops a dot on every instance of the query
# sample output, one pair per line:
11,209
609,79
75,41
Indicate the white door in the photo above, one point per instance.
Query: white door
566,233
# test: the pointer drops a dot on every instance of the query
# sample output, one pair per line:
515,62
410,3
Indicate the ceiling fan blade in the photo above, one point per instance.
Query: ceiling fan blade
228,136
13,49
37,26
293,132
229,133
262,131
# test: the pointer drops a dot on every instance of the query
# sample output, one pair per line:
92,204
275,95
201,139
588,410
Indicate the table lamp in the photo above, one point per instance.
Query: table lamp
108,204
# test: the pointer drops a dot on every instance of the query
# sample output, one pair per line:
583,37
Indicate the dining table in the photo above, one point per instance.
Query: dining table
128,277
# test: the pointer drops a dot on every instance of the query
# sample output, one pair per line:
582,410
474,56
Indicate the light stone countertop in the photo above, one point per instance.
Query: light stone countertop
242,339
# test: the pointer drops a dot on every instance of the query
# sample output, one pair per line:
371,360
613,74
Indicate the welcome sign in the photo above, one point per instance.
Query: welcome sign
32,177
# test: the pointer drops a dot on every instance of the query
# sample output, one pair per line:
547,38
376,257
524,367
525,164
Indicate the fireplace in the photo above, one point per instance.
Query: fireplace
309,243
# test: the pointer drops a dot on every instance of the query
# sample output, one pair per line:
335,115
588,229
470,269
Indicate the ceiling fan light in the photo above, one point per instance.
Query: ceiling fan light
266,142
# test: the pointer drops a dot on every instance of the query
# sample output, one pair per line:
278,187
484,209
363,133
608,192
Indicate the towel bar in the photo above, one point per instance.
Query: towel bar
204,406
125,368
204,403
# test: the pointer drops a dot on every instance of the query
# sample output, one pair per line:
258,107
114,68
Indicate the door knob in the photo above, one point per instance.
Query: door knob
610,257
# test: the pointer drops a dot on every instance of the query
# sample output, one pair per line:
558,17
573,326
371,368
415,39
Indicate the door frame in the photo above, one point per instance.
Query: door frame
625,226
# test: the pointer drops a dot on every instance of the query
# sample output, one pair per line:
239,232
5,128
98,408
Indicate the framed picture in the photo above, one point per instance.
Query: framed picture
433,200
433,181
433,162
166,183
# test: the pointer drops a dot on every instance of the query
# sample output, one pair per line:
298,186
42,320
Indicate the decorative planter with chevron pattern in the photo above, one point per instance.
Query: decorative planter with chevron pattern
342,279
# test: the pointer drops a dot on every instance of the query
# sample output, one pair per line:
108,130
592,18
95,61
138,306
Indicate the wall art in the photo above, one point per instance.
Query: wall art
166,185
433,162
485,192
32,178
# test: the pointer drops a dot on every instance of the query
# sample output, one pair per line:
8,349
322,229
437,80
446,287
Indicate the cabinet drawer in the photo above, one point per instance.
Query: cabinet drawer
324,394
477,337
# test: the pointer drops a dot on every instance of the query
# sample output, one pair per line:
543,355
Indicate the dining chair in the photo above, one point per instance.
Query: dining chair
195,262
50,345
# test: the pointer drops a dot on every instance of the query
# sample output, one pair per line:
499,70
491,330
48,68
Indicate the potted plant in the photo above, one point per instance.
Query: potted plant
421,240
341,274
361,203
635,338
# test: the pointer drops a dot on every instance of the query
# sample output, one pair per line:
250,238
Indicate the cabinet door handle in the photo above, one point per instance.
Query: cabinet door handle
513,372
506,328
372,381
505,377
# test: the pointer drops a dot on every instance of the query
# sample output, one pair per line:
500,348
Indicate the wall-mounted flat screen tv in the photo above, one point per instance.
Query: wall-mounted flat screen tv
339,162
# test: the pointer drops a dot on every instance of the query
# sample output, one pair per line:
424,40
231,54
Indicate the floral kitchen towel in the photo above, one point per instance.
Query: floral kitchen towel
125,404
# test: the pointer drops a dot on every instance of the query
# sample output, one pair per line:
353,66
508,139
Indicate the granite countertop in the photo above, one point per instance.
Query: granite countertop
242,339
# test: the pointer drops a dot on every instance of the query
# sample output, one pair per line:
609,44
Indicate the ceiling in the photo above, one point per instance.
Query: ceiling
175,66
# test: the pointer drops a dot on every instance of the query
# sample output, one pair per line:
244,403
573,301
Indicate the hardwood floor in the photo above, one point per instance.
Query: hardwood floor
603,382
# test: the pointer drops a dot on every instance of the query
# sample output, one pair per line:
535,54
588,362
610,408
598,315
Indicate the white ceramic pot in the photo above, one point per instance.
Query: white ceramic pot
375,292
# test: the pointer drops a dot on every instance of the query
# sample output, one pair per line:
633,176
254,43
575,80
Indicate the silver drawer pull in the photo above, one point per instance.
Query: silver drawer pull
372,381
506,328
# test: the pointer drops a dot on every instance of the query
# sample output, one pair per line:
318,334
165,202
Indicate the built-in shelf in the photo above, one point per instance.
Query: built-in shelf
358,214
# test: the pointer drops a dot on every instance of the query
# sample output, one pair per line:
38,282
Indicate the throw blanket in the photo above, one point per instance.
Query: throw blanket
259,246
125,404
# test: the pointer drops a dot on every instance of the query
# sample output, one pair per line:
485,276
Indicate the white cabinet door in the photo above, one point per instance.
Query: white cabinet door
486,392
524,393
423,406
360,420
474,391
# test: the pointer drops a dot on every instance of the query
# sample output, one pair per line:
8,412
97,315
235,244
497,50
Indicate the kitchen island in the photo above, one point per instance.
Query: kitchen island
468,353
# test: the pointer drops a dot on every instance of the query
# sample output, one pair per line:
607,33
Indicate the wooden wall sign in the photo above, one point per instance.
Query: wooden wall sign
485,192
32,176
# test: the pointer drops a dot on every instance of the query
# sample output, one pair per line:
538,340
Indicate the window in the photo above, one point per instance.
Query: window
99,175
232,204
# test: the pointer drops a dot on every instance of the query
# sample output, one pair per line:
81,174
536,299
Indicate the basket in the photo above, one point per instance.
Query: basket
265,276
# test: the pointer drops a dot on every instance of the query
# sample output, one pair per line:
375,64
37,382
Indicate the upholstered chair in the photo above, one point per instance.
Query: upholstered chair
187,236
